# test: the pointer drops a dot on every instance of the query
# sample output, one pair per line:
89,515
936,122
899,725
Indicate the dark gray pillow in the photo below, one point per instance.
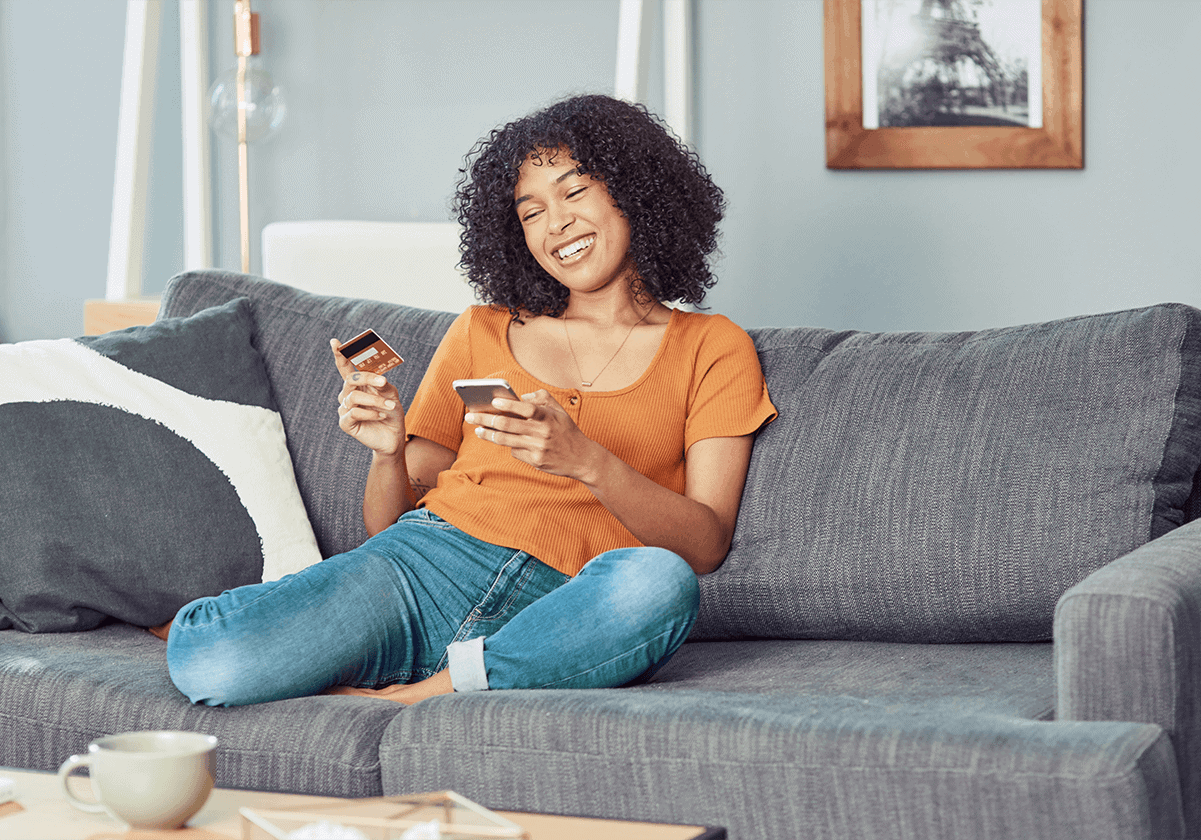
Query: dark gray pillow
139,470
948,487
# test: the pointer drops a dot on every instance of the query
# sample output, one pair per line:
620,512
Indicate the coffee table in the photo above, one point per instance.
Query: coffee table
41,813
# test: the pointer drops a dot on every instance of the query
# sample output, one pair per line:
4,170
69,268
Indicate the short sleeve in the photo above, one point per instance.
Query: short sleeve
436,413
728,396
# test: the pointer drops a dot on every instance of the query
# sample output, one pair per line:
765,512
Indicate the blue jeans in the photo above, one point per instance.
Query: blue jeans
422,596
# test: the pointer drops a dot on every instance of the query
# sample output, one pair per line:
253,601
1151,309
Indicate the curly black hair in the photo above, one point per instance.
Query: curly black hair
665,193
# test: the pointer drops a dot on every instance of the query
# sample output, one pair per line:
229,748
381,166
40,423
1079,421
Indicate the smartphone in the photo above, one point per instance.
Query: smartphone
478,394
370,353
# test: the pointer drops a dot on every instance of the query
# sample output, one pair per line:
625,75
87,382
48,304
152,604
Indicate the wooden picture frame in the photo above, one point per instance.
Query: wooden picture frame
1059,144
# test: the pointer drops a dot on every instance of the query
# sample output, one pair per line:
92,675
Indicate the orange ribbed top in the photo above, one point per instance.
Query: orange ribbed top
704,381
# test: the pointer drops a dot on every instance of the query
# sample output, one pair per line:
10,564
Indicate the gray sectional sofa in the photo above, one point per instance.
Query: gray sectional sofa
963,601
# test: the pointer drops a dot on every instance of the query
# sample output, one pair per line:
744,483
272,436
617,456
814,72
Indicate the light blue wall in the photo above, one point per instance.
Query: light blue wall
60,76
4,249
951,250
164,221
60,63
386,95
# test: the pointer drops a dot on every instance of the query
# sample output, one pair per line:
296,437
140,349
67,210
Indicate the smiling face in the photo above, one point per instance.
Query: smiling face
571,225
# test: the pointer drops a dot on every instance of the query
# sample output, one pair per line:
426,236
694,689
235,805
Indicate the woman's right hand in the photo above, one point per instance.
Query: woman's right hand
369,407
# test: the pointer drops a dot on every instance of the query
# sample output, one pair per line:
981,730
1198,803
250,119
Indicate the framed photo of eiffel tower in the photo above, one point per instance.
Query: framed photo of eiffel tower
954,84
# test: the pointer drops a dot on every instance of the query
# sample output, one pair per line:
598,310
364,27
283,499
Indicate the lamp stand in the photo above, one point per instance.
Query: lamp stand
246,44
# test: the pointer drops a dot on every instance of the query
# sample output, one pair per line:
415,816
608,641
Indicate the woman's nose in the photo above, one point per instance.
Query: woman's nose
561,220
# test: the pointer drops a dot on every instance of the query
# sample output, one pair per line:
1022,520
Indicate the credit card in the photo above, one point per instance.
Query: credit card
370,353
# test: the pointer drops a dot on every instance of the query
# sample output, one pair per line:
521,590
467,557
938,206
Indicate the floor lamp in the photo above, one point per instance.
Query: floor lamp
246,104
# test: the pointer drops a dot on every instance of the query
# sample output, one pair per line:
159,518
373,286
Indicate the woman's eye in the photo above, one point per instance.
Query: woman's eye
530,215
574,191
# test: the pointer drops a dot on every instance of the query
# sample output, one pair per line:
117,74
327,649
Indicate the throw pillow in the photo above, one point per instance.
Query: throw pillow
140,470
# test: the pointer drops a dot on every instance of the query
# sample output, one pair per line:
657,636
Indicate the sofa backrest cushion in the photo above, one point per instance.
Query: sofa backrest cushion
948,487
292,332
917,486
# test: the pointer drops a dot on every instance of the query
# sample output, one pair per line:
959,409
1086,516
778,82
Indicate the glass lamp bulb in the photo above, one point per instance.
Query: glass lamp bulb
265,105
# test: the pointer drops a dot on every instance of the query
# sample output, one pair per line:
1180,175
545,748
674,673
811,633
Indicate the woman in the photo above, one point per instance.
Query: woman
556,542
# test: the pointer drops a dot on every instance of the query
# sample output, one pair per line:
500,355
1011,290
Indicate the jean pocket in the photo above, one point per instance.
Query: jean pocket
519,583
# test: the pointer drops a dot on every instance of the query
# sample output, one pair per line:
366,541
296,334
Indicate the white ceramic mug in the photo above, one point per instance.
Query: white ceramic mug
146,779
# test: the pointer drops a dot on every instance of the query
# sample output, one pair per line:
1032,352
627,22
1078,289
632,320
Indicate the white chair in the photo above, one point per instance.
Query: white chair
413,263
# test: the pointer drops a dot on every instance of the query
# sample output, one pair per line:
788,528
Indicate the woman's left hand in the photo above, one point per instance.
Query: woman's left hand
541,434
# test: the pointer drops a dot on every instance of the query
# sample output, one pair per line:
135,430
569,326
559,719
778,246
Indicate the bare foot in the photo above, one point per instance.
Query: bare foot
409,694
162,631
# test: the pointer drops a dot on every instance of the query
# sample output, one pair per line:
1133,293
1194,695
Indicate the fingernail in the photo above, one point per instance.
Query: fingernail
388,404
469,418
479,431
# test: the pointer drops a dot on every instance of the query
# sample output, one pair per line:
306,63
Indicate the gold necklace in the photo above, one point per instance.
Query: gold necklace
588,384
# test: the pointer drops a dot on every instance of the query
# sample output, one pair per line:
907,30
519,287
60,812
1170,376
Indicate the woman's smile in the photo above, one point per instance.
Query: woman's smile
575,248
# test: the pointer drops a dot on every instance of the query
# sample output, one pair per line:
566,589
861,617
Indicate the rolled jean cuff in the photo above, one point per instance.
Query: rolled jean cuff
465,661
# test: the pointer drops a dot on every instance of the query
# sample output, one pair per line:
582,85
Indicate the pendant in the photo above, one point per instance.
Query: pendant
585,384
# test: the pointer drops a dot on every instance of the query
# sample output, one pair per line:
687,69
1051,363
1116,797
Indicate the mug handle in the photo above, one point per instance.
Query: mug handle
69,766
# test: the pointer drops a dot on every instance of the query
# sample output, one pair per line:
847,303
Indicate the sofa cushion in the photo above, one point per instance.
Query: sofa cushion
292,331
772,766
139,470
60,691
948,487
1009,680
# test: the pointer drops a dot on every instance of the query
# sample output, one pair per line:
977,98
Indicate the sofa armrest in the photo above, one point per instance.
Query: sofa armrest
1128,648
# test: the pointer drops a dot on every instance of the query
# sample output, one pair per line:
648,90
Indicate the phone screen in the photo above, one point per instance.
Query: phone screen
478,394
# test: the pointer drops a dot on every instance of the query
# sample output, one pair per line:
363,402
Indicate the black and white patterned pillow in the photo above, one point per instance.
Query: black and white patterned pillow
140,470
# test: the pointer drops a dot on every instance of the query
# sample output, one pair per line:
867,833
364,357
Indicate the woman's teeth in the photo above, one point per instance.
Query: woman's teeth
575,247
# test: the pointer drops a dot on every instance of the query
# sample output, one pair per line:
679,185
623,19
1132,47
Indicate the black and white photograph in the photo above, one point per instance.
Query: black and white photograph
951,63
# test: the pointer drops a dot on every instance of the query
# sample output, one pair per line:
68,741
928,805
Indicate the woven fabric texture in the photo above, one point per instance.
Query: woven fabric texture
1011,680
60,691
772,767
1126,648
140,470
949,487
292,331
